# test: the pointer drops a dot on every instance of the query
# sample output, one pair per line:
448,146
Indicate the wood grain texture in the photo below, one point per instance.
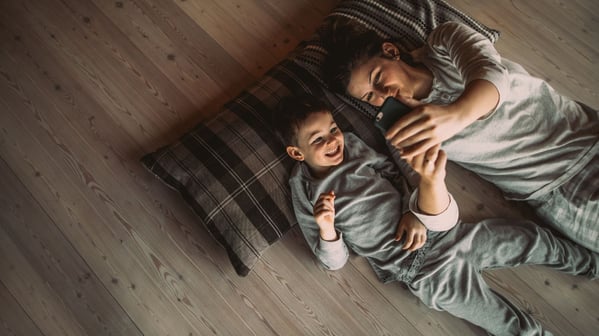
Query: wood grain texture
92,244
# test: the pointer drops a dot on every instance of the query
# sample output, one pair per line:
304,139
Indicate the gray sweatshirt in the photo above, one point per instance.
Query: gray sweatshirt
534,141
370,198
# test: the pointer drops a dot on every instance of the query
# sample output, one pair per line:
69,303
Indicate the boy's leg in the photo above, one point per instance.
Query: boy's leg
461,291
450,278
573,208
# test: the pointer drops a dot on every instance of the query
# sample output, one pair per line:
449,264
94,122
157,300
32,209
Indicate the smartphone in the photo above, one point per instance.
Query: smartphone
391,110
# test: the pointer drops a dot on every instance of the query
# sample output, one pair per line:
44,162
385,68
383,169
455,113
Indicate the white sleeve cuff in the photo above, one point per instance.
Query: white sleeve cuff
332,254
441,222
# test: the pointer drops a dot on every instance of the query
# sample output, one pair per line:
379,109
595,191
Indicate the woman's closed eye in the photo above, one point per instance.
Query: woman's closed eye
375,84
377,79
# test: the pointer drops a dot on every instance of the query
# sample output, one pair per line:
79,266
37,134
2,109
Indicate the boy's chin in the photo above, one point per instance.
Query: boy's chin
337,160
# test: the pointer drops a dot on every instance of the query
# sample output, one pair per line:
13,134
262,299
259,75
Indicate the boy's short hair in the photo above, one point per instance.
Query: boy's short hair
291,112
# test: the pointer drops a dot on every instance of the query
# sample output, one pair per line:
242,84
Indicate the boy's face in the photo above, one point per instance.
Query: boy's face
320,143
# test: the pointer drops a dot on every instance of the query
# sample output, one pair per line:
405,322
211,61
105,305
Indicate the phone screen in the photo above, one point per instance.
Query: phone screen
391,110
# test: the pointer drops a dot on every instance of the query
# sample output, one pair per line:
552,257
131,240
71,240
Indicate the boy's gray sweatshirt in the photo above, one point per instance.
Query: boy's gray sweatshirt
370,198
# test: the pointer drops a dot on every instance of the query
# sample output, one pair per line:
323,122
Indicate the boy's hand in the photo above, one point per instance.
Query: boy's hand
414,231
324,214
430,165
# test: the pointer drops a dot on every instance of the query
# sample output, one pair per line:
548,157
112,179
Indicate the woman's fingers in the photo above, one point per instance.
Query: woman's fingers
405,127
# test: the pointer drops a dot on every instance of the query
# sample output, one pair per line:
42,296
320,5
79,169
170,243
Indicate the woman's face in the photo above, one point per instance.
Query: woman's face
379,78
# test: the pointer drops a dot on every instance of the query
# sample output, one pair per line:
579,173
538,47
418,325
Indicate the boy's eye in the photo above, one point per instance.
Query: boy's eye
368,96
334,130
317,141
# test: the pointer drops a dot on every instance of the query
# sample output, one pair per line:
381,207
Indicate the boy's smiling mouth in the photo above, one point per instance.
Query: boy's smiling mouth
334,151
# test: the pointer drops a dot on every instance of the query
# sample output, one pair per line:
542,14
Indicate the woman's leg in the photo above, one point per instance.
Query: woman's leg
573,208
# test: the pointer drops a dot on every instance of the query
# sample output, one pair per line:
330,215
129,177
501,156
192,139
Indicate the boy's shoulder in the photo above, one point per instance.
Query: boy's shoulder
353,140
356,147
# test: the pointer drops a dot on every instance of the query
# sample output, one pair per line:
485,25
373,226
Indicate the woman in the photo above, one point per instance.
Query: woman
490,115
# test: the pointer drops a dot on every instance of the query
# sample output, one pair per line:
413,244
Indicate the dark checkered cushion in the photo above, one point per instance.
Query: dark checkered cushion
233,172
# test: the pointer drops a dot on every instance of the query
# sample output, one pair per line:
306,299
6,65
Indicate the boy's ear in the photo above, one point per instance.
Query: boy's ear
390,50
295,153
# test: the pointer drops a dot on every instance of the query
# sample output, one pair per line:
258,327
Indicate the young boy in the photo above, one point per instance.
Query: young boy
345,195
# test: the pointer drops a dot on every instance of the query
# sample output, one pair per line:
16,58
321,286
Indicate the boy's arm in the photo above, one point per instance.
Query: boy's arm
333,254
432,203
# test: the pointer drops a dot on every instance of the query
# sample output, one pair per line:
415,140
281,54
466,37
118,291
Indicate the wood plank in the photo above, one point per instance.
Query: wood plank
547,296
41,304
192,60
119,77
54,260
14,321
545,37
216,18
75,199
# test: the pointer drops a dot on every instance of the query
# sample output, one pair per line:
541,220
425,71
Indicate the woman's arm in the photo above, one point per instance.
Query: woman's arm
485,78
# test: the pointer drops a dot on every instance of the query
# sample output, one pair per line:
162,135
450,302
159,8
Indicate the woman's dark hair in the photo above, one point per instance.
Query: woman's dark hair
349,45
291,112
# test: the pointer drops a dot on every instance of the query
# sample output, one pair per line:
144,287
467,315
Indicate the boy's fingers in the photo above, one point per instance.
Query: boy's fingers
409,242
399,234
418,243
442,159
441,162
432,153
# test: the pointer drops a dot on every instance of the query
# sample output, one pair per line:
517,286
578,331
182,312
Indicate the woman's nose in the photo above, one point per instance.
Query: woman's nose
381,94
380,98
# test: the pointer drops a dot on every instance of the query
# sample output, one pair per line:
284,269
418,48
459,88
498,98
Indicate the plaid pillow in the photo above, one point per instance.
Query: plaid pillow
233,172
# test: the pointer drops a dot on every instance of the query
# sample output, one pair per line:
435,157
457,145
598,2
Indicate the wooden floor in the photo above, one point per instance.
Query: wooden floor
92,244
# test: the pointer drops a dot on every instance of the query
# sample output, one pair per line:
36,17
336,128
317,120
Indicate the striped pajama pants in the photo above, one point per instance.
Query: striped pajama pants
573,208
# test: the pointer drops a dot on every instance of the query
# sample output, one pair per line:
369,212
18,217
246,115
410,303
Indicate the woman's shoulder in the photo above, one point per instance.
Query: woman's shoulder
452,32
